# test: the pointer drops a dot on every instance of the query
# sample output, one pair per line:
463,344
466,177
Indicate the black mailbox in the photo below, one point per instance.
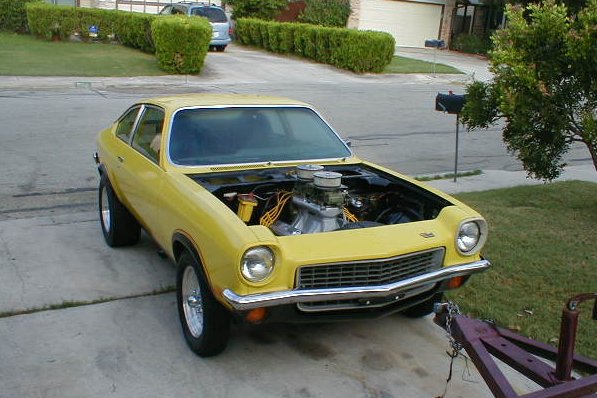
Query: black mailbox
450,103
434,43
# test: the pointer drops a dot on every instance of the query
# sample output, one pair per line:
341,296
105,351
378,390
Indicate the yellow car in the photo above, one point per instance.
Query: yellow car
270,217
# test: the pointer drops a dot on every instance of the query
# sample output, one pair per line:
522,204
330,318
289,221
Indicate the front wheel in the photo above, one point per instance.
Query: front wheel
119,226
205,322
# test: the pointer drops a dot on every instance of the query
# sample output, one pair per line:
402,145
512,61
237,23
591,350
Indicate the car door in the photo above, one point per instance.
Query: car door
140,171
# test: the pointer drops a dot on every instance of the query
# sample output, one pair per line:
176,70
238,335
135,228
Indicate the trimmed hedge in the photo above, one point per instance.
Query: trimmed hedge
358,51
13,17
181,43
129,28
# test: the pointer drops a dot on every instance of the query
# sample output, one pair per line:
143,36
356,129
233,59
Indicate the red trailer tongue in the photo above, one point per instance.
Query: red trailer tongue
484,341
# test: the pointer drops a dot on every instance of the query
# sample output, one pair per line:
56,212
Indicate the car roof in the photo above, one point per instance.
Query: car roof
198,100
197,4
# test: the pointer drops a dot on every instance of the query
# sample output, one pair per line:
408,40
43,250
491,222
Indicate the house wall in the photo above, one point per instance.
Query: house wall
292,13
355,14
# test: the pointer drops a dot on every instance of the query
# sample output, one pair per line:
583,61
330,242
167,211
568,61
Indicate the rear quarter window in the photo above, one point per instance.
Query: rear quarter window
214,15
124,129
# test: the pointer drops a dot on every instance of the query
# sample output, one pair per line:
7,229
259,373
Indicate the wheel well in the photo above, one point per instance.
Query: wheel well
177,249
180,243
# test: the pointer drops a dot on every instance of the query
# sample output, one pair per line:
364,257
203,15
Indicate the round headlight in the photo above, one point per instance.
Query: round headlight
257,264
470,235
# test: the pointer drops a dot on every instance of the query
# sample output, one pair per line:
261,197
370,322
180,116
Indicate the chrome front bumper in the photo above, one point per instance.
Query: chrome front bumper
251,301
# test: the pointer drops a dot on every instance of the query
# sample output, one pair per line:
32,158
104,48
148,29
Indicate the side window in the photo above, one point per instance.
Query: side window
148,135
166,10
126,123
178,10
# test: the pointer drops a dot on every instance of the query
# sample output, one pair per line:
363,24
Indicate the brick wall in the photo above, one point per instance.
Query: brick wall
355,14
447,19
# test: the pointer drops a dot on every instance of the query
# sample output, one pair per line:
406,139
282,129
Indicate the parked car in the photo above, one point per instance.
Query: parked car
269,216
222,29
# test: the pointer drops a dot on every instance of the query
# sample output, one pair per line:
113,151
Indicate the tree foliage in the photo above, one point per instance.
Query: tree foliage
544,86
260,9
326,12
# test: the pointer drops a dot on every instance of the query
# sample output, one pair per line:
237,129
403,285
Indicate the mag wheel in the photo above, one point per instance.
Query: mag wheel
205,322
119,226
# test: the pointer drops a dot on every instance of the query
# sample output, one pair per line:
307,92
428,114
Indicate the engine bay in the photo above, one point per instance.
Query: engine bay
312,198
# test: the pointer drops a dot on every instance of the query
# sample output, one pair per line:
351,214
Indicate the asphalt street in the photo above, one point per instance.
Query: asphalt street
121,336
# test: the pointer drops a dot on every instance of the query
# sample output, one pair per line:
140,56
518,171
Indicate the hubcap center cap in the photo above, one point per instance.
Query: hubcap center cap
194,302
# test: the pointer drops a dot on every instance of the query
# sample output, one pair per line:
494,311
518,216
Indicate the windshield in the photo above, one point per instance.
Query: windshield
214,15
251,135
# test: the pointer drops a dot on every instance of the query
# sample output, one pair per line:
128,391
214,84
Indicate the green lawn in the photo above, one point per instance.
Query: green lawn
409,65
543,249
24,55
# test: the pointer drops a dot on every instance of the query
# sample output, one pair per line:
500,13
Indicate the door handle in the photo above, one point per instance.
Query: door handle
120,159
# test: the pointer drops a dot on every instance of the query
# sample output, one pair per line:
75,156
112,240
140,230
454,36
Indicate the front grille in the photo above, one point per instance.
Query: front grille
370,272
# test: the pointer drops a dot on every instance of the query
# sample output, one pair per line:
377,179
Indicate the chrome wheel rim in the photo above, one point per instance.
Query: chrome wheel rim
191,302
105,210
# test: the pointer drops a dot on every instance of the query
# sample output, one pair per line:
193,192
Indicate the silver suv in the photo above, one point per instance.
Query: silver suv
216,16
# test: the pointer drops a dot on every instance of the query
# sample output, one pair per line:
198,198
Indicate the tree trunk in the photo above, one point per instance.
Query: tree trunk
593,151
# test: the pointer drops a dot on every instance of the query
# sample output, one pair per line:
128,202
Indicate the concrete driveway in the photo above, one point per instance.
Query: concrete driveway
476,67
83,320
131,344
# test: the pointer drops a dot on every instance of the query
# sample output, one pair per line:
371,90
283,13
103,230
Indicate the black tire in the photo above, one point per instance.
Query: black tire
425,308
205,322
119,226
220,49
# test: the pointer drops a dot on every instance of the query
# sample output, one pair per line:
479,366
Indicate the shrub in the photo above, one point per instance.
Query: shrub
471,44
333,13
103,19
364,51
260,9
13,16
128,28
358,51
181,43
133,29
46,20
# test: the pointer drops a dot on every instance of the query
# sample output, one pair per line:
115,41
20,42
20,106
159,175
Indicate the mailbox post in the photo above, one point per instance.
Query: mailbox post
451,103
435,44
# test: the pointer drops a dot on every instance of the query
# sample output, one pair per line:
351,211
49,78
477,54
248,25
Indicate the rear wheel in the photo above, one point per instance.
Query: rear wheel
205,322
119,226
424,308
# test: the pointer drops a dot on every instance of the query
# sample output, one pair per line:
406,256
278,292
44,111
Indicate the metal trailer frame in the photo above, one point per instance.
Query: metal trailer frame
483,341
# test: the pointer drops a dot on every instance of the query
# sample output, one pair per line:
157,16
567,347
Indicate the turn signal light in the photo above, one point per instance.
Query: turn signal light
256,315
456,282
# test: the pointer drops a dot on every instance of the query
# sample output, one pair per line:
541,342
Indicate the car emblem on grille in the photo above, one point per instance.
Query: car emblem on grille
427,234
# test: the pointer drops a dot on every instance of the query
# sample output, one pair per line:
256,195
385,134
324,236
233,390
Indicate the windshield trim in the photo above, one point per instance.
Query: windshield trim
265,163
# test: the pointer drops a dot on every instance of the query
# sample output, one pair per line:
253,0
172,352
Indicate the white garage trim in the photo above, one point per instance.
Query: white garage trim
410,22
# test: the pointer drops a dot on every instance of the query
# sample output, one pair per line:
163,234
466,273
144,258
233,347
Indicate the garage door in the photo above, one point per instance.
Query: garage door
409,22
